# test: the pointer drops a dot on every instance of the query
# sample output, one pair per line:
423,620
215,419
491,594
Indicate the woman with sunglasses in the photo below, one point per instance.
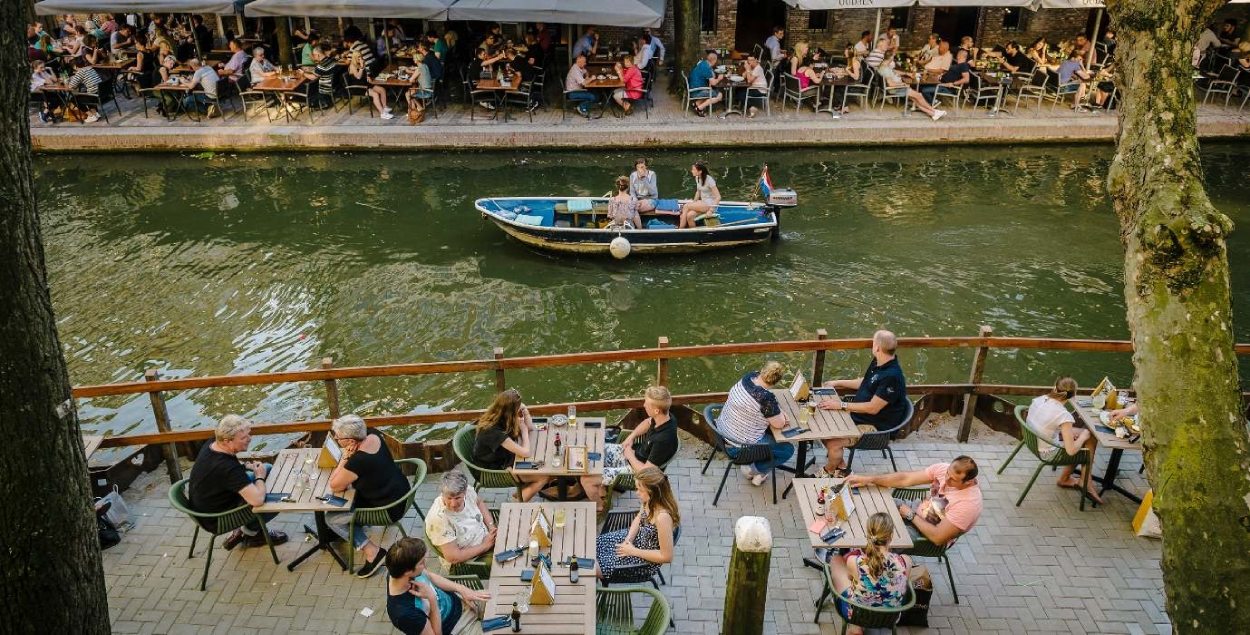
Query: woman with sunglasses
366,465
503,435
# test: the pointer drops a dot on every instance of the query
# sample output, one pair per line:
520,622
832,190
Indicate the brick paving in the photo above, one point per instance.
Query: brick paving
667,126
1042,567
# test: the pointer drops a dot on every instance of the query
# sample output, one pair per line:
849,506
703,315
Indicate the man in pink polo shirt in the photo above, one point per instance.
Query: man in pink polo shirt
954,503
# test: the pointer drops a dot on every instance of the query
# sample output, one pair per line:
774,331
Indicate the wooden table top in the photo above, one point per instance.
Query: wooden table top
182,87
823,424
868,500
605,83
1083,408
494,84
113,66
830,80
576,538
572,614
393,82
282,479
544,445
276,84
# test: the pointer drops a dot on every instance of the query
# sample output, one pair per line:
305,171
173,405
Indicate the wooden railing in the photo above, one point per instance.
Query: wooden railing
498,365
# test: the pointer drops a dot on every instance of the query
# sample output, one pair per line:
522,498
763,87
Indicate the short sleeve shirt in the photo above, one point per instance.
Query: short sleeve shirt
378,480
1020,61
216,479
963,507
466,527
885,381
702,74
956,72
659,445
1068,69
1046,417
488,450
744,418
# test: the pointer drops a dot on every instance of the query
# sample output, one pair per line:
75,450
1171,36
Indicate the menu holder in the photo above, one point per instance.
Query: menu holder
542,587
540,528
1104,387
842,504
330,455
576,458
799,388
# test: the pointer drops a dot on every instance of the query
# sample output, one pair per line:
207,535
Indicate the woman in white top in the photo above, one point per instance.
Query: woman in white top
706,196
1051,420
642,185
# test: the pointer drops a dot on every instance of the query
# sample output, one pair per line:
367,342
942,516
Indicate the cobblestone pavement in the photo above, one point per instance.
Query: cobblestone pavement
1042,567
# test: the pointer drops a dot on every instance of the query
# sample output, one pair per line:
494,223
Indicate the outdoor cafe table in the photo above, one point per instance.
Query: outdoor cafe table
282,89
283,478
178,92
1084,409
868,500
821,425
833,83
500,87
605,87
570,436
574,610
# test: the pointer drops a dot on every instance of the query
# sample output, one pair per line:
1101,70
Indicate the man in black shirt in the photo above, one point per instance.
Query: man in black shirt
959,74
652,443
880,401
1015,61
219,482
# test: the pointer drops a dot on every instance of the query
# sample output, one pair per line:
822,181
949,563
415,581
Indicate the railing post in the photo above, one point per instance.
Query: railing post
332,389
500,383
661,366
162,425
818,369
970,400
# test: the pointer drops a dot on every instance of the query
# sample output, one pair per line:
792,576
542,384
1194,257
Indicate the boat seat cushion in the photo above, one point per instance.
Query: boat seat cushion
579,205
526,219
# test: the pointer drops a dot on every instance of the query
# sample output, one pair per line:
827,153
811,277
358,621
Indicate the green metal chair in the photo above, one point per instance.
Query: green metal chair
870,616
615,608
381,516
1035,444
224,523
921,546
462,443
478,567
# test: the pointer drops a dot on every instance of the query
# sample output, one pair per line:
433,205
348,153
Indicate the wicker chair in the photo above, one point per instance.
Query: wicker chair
921,546
1060,457
880,440
222,523
381,516
615,609
462,443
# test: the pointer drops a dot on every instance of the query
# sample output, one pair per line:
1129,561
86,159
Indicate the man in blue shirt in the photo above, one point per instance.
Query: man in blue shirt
703,83
880,401
588,44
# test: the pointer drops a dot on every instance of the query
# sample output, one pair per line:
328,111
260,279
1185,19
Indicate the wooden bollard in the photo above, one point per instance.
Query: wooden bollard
746,591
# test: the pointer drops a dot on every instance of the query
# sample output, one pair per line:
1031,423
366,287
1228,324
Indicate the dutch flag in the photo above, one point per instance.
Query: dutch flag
766,183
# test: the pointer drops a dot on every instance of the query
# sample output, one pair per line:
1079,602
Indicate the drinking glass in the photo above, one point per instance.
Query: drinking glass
560,519
523,600
804,414
572,416
1100,401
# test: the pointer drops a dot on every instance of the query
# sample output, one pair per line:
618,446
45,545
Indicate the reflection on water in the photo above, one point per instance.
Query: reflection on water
265,263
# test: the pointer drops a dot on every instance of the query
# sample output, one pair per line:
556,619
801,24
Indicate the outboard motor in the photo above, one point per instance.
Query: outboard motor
776,199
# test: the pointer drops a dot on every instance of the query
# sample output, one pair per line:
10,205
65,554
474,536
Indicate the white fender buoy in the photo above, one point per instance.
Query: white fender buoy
620,247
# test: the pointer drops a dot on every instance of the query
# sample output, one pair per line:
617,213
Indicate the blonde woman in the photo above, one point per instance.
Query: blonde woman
649,539
1050,419
503,435
874,575
749,411
799,57
651,443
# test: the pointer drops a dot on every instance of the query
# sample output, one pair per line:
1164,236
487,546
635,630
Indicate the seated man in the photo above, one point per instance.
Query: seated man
1072,78
942,60
1015,61
703,83
219,482
952,508
958,75
880,401
652,443
205,79
458,522
575,87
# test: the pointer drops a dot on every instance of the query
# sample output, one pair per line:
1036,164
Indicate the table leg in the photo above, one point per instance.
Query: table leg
801,463
731,105
325,541
1107,480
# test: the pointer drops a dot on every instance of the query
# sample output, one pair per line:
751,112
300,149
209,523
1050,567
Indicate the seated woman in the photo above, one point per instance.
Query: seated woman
706,196
649,539
1037,51
623,208
651,444
642,185
358,75
1051,420
503,435
895,82
412,589
874,575
632,78
802,69
366,466
750,410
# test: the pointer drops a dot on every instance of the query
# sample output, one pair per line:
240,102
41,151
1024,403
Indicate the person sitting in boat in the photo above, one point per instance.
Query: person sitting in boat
642,185
706,196
623,207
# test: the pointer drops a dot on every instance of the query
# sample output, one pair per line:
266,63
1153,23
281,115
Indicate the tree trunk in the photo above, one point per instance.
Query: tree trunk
52,578
687,23
283,26
1179,312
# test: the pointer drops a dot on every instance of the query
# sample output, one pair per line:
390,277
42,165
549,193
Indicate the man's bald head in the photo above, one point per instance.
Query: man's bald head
885,341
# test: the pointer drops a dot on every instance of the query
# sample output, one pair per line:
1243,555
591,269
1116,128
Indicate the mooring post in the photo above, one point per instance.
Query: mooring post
332,389
500,383
746,590
970,400
818,369
162,425
661,366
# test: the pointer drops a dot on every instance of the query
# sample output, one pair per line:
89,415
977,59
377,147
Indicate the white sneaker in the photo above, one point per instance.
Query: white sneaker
387,110
938,114
759,479
92,118
386,115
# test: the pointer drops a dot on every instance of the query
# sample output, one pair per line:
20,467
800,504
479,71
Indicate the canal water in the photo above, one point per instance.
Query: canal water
216,264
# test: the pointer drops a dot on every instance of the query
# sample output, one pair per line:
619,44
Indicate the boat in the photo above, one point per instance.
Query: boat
577,224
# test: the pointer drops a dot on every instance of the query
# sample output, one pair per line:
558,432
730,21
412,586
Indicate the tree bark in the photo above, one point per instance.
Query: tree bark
52,580
1177,292
283,26
687,24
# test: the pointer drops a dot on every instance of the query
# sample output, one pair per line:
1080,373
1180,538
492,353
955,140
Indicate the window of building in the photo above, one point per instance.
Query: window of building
900,18
708,14
1013,19
818,20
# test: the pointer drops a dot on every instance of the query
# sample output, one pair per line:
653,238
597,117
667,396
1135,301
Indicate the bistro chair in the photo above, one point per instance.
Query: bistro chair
522,98
104,94
358,91
621,519
381,516
880,440
956,93
462,443
478,567
747,454
625,482
1037,445
694,95
886,93
615,611
921,546
257,102
791,90
757,94
863,615
983,93
1061,92
221,523
860,91
1034,88
1224,84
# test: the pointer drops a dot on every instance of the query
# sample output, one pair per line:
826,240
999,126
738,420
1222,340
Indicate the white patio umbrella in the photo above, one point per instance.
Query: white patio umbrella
54,7
629,13
414,9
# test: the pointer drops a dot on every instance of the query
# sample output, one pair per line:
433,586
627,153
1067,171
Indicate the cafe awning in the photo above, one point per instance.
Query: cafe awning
1028,4
56,7
1076,4
415,9
630,13
824,5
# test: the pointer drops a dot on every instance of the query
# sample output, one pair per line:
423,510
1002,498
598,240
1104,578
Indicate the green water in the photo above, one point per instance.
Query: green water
264,263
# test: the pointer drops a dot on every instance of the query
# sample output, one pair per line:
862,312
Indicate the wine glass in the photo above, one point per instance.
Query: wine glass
1100,401
523,600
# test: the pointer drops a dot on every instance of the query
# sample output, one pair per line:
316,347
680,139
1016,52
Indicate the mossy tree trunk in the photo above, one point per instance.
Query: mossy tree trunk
1179,312
687,22
51,578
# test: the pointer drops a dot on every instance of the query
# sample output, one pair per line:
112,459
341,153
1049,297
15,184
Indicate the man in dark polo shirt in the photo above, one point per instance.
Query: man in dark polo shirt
880,401
219,482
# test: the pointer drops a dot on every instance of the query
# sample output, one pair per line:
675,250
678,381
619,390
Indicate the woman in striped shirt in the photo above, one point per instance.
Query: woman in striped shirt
749,411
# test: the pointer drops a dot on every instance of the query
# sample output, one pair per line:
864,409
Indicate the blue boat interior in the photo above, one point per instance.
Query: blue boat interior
584,212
